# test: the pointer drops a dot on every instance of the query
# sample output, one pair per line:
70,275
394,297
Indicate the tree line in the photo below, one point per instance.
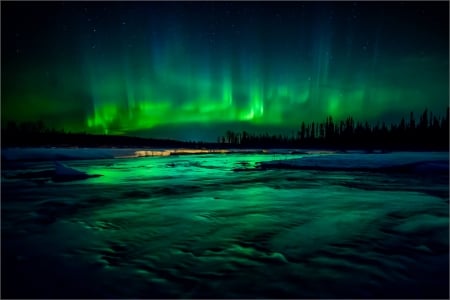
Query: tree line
428,132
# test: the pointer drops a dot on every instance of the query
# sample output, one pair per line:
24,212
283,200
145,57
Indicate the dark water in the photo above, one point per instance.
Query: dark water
194,227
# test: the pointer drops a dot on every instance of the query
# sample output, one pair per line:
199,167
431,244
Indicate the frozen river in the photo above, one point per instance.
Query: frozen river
273,225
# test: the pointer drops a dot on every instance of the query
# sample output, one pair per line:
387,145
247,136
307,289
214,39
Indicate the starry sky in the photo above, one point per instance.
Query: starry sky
192,70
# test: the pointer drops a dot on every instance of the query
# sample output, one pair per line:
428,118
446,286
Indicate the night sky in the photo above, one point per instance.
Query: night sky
193,70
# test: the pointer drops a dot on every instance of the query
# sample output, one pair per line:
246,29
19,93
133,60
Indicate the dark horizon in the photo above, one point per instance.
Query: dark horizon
427,131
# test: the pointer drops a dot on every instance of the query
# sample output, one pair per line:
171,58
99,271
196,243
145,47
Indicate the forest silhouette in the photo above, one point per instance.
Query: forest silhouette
429,132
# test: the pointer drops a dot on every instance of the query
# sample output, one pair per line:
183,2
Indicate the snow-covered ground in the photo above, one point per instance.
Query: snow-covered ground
395,161
44,154
191,226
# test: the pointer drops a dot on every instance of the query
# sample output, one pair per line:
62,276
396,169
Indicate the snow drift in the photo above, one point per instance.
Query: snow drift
388,162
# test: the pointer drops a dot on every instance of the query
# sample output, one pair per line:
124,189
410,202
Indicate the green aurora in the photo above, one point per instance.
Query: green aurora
194,71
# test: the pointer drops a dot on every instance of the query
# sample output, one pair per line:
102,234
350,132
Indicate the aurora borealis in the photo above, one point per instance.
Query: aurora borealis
191,70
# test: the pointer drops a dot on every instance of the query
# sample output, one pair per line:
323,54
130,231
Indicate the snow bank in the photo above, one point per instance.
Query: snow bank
64,173
51,154
62,170
399,161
